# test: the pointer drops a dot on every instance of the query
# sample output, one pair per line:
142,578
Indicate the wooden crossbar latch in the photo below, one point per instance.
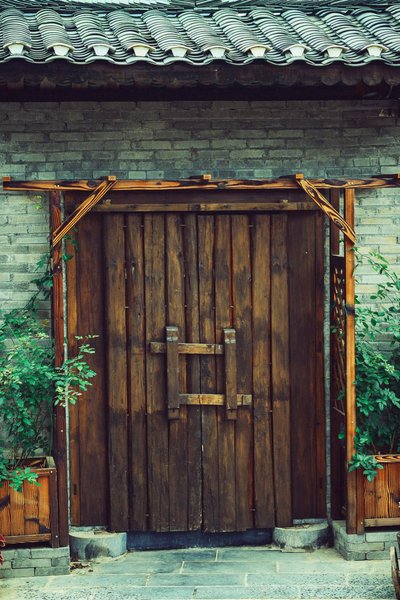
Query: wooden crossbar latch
326,207
172,347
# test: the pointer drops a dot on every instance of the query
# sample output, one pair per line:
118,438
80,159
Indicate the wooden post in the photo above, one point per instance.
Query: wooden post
352,525
60,430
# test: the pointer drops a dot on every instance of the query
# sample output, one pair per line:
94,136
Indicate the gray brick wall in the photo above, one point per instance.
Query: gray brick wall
178,139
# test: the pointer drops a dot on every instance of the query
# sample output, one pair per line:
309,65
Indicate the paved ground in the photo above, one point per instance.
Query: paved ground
213,574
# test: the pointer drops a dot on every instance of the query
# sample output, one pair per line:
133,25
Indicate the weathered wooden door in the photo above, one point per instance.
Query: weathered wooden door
159,444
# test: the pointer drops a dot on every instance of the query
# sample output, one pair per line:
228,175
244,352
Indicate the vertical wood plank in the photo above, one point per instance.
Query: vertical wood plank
320,414
31,495
302,343
178,473
224,319
242,324
138,504
211,498
44,504
193,373
17,516
115,302
261,291
91,409
353,524
5,518
72,332
59,414
157,425
280,371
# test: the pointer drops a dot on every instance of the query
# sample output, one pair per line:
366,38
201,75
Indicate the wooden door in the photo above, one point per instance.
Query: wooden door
259,275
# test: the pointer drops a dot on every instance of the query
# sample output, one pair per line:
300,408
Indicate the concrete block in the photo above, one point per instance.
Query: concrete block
307,536
382,536
48,552
11,573
24,563
378,555
46,571
89,545
61,561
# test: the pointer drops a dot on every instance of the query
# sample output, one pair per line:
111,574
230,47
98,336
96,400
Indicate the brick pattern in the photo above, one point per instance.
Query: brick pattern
178,139
371,545
39,561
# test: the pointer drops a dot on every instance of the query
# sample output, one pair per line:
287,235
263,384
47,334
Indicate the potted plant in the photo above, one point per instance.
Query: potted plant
377,443
30,386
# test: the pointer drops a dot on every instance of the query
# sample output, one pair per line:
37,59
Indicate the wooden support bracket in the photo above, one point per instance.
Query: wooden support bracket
101,190
326,207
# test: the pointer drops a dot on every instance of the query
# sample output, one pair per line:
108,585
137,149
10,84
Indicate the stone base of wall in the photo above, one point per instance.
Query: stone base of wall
374,544
40,560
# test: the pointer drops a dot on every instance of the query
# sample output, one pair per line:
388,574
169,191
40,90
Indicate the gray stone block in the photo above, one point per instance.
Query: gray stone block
382,536
48,552
11,573
46,571
89,545
60,561
23,563
308,536
378,555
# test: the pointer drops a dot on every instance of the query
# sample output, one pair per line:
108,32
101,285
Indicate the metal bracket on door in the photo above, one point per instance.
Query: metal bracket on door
231,399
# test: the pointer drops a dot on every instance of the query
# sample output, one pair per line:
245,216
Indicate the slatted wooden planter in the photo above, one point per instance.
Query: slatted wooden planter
381,497
31,515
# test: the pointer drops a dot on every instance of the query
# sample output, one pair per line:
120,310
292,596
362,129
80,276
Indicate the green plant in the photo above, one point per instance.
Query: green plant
378,371
30,385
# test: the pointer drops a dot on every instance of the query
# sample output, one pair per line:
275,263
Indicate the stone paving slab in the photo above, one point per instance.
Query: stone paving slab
208,574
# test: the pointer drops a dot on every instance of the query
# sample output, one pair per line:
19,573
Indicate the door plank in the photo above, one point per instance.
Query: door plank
178,489
242,303
301,261
223,319
261,289
157,427
211,509
320,431
91,408
138,501
280,371
116,347
193,372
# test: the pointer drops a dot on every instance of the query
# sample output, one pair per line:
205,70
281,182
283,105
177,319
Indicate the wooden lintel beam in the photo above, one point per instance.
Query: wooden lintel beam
85,185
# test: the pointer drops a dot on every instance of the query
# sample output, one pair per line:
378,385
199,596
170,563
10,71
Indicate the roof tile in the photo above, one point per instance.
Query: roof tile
134,31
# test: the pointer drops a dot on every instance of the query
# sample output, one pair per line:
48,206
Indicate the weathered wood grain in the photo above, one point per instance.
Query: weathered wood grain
136,315
176,375
116,360
280,371
157,431
194,461
262,412
241,294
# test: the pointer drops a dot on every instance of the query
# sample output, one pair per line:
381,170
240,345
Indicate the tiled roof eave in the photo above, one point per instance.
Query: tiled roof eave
161,37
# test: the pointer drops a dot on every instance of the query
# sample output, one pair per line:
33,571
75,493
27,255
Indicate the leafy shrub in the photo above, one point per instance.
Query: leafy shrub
378,371
30,385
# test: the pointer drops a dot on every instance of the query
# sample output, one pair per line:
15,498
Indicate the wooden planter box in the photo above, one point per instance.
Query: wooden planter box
381,497
32,514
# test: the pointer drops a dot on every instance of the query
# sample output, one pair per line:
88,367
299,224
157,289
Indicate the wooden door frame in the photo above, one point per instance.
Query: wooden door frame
202,183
